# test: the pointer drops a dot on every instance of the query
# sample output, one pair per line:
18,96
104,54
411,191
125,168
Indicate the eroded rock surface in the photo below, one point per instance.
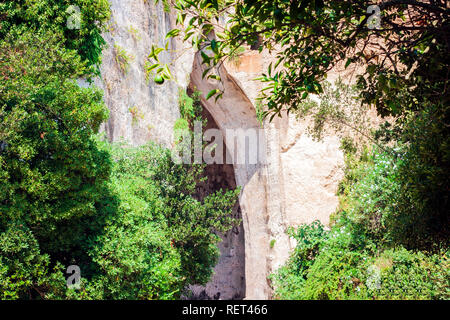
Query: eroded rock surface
141,110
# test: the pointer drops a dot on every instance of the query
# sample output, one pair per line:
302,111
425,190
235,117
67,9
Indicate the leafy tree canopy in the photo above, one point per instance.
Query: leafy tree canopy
79,23
403,58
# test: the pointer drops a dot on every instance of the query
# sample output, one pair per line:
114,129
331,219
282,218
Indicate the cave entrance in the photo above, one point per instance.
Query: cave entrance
234,111
228,280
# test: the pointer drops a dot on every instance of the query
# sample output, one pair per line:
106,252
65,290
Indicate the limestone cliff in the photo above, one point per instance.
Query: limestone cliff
296,184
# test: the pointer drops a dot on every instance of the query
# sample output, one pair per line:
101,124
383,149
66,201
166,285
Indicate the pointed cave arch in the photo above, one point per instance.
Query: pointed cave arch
232,112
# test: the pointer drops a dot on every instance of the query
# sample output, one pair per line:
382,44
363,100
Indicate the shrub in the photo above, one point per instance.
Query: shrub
52,16
122,58
289,279
342,267
52,172
421,219
413,275
157,237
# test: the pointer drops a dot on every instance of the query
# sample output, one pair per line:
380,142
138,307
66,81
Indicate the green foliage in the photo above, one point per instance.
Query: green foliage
290,278
389,238
53,16
422,216
190,111
410,275
337,109
134,33
22,266
190,106
136,114
309,38
234,55
154,68
259,113
46,119
397,194
159,238
52,172
149,239
272,243
371,199
342,264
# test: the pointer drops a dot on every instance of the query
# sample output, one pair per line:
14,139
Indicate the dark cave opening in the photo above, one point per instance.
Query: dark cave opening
228,280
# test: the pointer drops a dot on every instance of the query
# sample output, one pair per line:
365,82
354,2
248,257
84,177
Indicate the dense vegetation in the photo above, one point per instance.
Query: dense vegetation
78,30
128,217
371,250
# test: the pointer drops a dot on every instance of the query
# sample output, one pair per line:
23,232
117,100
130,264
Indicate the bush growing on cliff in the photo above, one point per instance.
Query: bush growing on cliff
343,267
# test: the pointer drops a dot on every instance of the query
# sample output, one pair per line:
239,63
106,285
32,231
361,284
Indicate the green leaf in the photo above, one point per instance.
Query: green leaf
205,72
205,57
218,97
153,66
212,93
349,60
172,33
214,76
214,46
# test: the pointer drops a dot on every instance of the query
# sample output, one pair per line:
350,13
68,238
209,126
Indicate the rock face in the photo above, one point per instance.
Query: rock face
294,183
141,110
